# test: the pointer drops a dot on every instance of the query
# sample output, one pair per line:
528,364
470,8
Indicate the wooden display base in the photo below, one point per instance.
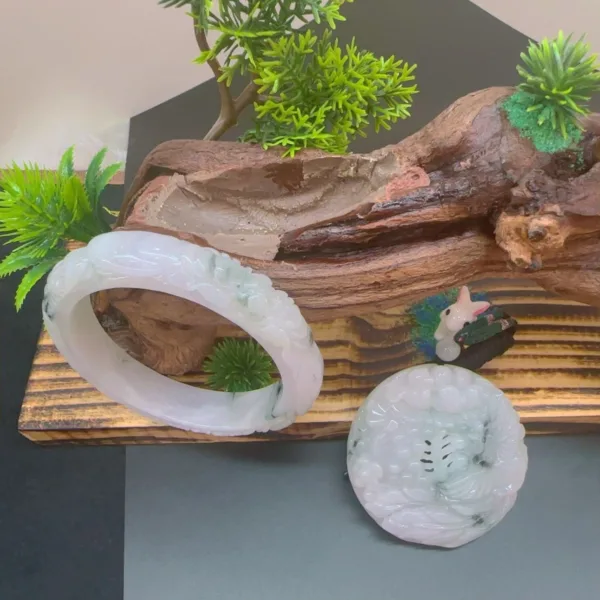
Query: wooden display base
552,376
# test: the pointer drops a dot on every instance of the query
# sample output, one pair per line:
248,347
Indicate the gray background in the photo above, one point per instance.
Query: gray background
273,521
280,521
61,508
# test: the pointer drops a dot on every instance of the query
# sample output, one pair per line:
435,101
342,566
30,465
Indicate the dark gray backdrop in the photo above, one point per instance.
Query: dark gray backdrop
61,509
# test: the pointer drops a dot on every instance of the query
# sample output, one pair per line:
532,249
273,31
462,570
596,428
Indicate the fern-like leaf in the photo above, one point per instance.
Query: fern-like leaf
91,175
41,210
66,167
17,260
105,176
96,179
32,277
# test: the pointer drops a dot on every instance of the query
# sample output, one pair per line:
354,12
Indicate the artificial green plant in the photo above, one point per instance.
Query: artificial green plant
237,365
308,91
41,211
559,77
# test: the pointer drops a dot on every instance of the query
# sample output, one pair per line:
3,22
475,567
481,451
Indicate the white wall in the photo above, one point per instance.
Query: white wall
75,71
544,18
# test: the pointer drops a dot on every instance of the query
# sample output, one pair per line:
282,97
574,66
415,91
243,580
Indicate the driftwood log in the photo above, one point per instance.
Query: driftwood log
464,198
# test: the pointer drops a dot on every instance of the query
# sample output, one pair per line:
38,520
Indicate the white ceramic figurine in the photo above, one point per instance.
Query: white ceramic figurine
452,320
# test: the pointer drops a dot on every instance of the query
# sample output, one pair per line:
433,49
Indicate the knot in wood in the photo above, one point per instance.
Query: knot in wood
536,234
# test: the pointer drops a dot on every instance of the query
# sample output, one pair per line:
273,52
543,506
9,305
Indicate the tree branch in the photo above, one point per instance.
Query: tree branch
223,123
248,96
228,115
230,108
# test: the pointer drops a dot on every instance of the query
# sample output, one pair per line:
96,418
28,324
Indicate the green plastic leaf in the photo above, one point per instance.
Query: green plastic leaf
41,210
91,176
105,177
204,56
321,95
238,366
112,213
560,76
31,278
16,261
66,166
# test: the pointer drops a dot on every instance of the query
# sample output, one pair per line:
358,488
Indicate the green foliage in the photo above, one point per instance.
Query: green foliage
323,97
313,93
41,210
175,3
559,79
238,366
246,28
544,137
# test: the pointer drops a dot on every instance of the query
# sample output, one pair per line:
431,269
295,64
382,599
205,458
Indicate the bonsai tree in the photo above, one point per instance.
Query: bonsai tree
307,91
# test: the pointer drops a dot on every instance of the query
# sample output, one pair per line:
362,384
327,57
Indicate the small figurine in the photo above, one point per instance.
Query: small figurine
472,333
454,318
461,329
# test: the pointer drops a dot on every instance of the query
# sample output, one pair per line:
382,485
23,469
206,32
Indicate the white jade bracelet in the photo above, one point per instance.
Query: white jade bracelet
151,261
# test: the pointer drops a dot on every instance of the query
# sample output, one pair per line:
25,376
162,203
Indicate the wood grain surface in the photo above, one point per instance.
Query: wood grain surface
552,376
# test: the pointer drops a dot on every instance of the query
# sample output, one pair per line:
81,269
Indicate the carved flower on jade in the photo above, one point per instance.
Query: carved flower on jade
436,455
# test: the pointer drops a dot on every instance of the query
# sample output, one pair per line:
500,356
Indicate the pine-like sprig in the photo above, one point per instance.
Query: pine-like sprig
246,28
238,366
559,78
308,91
544,137
40,211
322,96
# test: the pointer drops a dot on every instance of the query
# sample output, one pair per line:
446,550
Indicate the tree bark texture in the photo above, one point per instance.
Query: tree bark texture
462,199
